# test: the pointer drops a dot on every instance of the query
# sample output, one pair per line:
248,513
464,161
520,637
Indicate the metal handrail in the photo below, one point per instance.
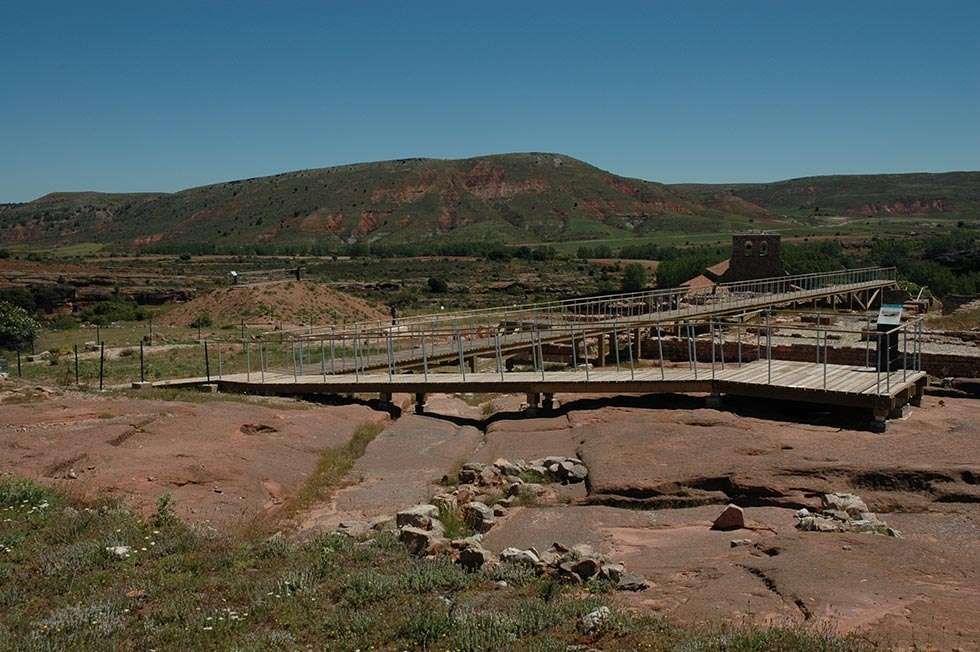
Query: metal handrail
731,294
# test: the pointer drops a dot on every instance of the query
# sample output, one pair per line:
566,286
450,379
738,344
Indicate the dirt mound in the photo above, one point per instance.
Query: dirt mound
293,303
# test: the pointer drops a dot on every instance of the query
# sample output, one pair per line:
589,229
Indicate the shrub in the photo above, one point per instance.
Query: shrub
437,285
17,328
202,321
634,277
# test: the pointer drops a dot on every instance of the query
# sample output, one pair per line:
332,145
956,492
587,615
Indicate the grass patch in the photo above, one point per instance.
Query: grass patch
182,587
455,526
332,468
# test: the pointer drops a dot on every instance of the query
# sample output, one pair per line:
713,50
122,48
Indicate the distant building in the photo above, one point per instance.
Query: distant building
754,255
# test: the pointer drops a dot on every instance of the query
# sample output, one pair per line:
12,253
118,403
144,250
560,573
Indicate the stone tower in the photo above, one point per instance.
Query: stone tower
754,255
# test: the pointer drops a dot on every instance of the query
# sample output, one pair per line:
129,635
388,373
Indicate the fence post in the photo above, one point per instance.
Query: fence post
248,361
207,362
142,373
76,364
101,364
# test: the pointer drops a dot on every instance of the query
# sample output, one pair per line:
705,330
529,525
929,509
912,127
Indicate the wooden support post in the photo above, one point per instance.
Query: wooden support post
420,403
639,346
472,364
533,399
548,404
601,354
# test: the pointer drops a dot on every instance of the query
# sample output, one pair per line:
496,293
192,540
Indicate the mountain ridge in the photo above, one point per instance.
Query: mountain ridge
506,197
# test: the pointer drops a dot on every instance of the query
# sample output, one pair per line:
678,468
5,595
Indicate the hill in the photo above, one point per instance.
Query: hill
507,197
291,303
861,195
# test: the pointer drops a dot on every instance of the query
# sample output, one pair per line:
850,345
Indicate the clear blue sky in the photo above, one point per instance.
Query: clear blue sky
165,95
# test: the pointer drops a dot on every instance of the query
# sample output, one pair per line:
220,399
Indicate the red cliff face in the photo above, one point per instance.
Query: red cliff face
488,181
912,207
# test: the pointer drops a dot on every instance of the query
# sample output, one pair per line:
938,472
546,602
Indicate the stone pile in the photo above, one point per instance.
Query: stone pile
578,564
555,468
842,512
485,491
484,494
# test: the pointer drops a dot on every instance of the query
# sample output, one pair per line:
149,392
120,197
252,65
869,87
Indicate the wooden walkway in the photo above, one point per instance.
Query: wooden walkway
826,384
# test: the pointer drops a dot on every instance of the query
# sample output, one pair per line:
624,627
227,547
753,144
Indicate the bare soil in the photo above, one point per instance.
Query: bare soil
223,462
291,303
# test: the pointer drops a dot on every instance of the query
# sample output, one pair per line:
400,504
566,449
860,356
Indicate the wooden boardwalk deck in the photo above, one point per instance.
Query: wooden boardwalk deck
825,384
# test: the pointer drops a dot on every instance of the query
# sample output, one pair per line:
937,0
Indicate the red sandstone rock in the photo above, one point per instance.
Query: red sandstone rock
732,518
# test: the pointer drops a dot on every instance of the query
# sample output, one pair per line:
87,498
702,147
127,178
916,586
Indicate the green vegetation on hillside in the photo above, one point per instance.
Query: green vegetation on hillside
858,194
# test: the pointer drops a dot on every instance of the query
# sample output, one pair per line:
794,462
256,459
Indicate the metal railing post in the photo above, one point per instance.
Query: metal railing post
905,351
692,350
660,352
462,365
768,351
878,366
391,358
585,351
425,359
721,344
541,354
629,342
499,355
738,336
616,345
574,351
825,359
248,362
711,333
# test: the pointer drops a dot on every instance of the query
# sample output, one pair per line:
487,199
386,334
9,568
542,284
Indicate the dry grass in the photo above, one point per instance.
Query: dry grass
187,588
332,469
